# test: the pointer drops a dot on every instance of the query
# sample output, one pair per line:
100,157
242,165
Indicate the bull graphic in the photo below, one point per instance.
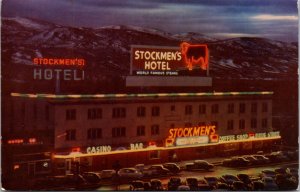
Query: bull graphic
194,55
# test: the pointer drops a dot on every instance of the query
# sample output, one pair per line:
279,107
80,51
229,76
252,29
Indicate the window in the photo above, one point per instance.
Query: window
253,107
264,123
215,108
119,112
95,113
71,135
188,109
265,107
242,124
119,132
70,114
202,109
242,107
230,108
155,111
230,125
94,133
215,123
141,111
140,131
253,123
47,112
172,107
155,130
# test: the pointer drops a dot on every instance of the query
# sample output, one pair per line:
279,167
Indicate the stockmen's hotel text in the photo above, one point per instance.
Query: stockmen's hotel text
148,128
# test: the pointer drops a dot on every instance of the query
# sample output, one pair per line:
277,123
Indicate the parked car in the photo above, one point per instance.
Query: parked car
228,179
236,162
199,164
156,185
183,188
172,167
252,160
281,171
156,170
285,183
277,157
268,173
174,183
92,177
238,186
212,181
107,174
262,159
140,167
136,185
130,173
246,180
203,185
293,171
222,187
192,183
269,184
258,185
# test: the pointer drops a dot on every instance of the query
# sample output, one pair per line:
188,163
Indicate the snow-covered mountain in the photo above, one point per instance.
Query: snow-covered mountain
107,50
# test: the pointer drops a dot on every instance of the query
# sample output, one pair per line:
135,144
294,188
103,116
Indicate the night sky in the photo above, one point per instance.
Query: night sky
275,19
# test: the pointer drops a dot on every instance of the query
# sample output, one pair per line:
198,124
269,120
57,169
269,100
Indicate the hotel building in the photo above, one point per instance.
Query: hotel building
98,130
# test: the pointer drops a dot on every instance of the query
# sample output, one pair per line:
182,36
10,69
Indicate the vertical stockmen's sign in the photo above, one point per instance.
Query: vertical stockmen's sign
169,61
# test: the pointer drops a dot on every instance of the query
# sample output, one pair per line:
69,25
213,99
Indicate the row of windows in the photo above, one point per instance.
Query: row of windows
35,111
120,112
96,133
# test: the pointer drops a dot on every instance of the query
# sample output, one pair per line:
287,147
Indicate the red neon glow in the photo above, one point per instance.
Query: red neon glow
32,140
16,166
195,55
76,149
15,141
59,61
214,138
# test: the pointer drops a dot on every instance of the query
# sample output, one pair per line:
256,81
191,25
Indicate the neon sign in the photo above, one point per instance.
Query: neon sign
194,55
168,61
192,135
248,136
59,62
98,149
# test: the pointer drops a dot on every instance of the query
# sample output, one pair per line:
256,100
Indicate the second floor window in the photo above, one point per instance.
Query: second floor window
71,135
253,123
119,132
242,124
94,113
94,133
253,107
265,107
155,130
264,123
230,125
140,131
119,112
202,109
242,107
71,114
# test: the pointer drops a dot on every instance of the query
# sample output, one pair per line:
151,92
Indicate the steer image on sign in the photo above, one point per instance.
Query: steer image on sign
194,55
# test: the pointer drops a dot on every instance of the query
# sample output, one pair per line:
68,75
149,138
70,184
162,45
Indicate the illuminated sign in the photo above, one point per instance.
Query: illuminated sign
195,55
136,146
248,136
192,135
192,140
169,61
98,149
57,69
30,141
